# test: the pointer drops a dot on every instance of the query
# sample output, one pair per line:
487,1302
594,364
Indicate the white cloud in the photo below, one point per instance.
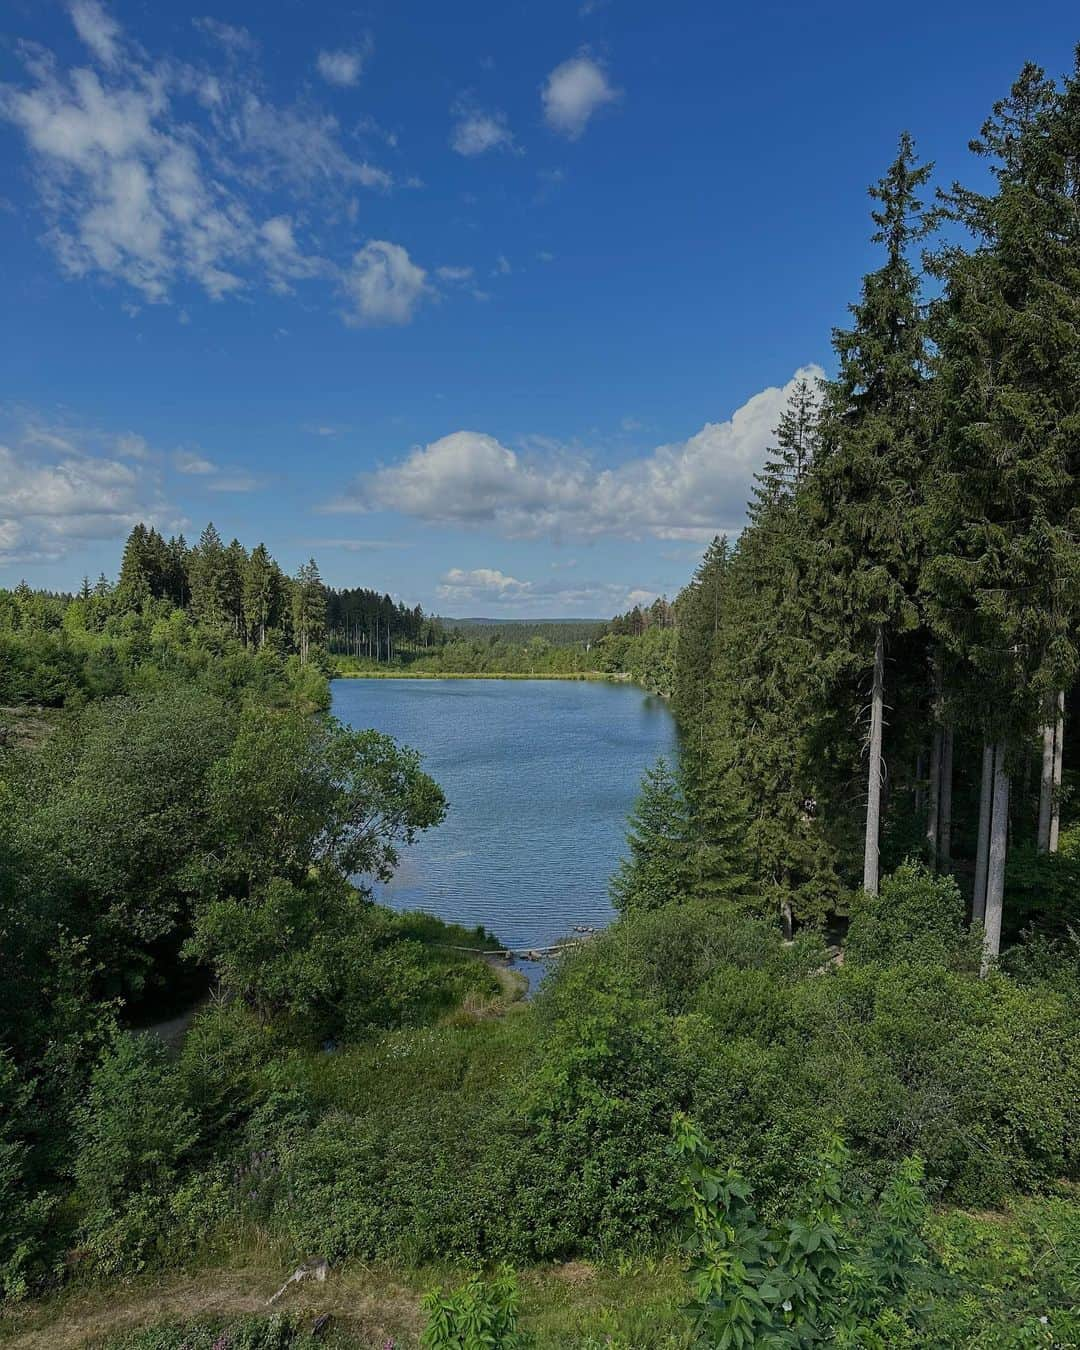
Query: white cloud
342,67
573,92
60,489
98,30
496,590
502,266
157,174
687,490
296,147
480,580
188,461
384,285
454,274
234,39
475,131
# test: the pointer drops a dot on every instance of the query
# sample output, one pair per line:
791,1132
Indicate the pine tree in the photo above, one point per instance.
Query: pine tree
660,868
133,588
209,581
308,608
868,483
1002,584
262,595
699,609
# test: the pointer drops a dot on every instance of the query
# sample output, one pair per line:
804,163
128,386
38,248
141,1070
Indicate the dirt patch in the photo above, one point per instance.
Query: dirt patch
575,1272
374,1309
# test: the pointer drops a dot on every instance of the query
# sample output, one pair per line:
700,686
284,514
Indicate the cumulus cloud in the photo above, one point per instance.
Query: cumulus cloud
342,67
497,590
687,490
573,92
480,580
59,489
384,285
476,131
157,174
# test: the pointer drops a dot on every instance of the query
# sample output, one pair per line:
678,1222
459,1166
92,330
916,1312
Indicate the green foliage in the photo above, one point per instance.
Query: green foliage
918,917
481,1315
131,1139
279,1331
835,1272
659,870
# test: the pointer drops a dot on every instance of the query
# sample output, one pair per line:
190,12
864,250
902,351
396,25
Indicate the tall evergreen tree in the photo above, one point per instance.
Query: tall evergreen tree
660,869
1003,581
308,608
868,483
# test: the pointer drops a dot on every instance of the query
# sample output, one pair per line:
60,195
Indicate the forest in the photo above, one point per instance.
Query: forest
818,1083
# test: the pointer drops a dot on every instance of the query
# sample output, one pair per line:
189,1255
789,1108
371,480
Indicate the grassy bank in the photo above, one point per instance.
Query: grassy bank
392,674
369,1305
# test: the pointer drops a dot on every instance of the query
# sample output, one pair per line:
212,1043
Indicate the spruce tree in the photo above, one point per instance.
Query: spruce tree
868,484
660,869
1002,584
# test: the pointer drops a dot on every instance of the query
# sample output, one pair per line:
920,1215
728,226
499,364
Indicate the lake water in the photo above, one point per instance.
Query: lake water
539,775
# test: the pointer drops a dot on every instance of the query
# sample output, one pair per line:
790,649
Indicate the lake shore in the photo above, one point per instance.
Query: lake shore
617,677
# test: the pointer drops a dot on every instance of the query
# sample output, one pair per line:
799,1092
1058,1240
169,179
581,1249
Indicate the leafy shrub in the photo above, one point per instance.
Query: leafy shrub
481,1315
131,1138
23,1210
918,917
833,1272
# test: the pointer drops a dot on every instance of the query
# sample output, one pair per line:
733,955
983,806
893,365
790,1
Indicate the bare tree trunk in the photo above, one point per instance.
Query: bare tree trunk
1059,755
995,870
1046,782
934,797
873,803
920,792
982,848
945,797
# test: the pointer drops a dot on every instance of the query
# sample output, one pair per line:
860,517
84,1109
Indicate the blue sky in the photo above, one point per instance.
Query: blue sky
490,305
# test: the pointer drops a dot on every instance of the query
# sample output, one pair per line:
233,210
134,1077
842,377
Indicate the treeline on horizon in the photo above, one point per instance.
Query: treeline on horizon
211,597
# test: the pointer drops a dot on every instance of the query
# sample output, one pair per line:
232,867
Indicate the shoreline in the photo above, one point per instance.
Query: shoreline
596,676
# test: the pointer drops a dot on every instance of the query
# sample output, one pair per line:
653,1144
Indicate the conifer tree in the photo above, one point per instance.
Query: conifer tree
209,583
308,608
659,870
868,483
1002,581
262,594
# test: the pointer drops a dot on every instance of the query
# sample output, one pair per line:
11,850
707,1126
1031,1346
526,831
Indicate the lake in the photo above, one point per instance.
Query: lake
539,775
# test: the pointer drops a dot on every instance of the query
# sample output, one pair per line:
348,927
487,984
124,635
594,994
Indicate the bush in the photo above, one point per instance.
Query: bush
131,1138
481,1315
918,917
834,1271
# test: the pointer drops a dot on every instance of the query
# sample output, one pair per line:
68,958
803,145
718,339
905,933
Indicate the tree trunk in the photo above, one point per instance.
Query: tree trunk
873,802
933,798
945,797
1046,783
982,849
995,869
1059,755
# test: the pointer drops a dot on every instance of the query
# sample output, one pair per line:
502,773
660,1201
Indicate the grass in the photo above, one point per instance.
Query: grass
369,1305
476,675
